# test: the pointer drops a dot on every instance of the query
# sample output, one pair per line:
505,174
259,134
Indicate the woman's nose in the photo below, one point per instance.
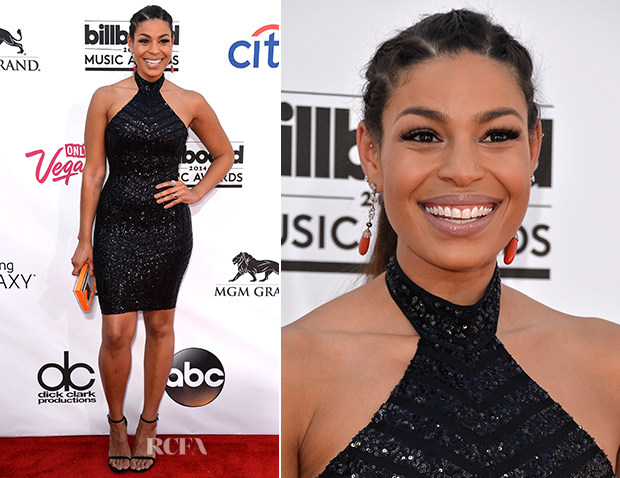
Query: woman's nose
460,164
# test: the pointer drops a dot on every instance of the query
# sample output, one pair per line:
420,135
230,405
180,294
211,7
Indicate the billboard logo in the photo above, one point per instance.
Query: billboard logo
196,378
328,123
241,52
196,162
106,47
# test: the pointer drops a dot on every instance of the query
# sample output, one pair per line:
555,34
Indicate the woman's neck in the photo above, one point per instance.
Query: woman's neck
462,287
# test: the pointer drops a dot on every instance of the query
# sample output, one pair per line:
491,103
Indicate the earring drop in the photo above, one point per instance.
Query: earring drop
511,250
532,179
171,68
365,239
135,68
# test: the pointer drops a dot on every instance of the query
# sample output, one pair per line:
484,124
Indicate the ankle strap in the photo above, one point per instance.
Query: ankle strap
118,421
149,421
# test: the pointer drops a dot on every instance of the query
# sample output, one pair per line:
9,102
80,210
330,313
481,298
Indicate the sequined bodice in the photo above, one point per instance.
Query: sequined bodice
464,407
145,142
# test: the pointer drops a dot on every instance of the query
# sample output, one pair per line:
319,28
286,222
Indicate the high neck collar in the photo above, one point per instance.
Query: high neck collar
463,328
148,86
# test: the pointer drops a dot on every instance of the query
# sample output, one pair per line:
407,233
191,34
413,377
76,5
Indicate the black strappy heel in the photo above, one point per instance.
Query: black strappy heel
152,458
118,470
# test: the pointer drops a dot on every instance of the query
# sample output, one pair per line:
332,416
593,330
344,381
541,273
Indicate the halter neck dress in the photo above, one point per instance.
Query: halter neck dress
464,407
141,250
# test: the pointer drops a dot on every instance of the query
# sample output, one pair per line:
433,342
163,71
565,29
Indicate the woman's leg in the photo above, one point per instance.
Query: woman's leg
158,354
117,331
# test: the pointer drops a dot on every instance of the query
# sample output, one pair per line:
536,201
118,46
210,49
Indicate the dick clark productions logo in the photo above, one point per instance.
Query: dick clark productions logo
196,378
75,390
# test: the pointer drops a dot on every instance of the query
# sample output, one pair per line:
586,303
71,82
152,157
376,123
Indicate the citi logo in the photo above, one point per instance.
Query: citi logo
242,53
113,34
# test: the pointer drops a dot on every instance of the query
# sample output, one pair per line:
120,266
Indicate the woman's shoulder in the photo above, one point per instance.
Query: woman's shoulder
367,309
592,338
336,333
187,95
108,94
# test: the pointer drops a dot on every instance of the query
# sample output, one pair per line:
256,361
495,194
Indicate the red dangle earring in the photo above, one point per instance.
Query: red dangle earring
171,68
511,250
365,239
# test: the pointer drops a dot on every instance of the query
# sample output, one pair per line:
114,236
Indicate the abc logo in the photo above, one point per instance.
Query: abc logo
66,373
196,377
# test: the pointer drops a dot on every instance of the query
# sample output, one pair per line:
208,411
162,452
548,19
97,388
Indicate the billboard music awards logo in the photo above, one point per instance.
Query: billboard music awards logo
74,380
12,54
57,167
196,377
325,200
11,280
259,52
197,160
106,49
256,270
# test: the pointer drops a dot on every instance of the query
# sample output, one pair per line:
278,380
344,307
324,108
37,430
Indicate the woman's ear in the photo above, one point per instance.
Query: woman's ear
535,145
368,151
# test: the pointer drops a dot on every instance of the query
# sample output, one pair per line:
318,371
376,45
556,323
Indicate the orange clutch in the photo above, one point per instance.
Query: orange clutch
85,288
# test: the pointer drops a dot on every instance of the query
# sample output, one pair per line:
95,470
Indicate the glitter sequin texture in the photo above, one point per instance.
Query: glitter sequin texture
464,407
141,250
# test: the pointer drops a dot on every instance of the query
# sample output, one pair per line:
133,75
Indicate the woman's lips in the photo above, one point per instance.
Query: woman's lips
460,215
153,62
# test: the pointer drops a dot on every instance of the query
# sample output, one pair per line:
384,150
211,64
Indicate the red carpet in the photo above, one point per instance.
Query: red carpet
228,456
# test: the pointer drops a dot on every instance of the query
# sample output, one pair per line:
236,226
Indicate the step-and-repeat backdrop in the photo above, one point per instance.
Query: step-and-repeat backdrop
567,256
225,377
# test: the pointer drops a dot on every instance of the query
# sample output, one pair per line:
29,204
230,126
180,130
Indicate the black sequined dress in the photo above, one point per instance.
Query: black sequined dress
141,250
464,407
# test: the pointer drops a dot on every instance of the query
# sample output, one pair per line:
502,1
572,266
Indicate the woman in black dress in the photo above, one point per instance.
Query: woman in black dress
142,237
433,368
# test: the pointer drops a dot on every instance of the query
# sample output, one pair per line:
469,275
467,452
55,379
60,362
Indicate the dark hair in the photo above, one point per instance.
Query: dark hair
151,12
441,34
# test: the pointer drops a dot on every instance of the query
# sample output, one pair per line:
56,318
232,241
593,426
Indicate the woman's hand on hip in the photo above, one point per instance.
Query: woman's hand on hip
175,192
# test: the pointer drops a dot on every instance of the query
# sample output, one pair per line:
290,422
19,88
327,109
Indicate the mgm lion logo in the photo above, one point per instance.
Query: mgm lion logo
6,37
247,264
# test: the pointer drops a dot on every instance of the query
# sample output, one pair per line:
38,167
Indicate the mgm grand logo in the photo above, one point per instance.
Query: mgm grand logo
259,270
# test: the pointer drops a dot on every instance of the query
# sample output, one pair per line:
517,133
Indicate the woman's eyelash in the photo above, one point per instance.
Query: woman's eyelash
422,135
502,134
425,135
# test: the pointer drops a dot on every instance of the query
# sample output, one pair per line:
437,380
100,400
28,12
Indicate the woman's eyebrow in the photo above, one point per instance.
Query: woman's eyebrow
487,116
425,112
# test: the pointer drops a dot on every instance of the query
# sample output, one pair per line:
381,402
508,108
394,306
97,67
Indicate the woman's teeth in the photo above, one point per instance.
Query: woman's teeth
449,213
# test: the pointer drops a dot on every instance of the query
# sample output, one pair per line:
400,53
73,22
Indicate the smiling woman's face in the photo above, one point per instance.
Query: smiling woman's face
152,48
455,162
